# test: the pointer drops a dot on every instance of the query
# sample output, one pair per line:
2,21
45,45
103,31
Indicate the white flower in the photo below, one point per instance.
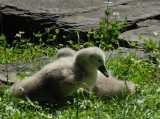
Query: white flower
155,34
116,14
137,61
109,27
50,116
61,45
68,102
21,32
18,35
9,108
43,115
80,90
140,101
88,101
29,44
82,106
158,90
17,110
60,116
81,46
120,48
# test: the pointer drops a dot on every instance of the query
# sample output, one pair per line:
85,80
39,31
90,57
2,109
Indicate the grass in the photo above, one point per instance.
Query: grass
144,103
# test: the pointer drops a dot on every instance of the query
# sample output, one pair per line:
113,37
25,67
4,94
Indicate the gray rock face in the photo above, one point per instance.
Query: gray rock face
140,53
42,13
68,15
60,7
149,29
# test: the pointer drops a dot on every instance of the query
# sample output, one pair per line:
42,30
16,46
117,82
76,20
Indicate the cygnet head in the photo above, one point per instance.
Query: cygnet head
92,57
65,52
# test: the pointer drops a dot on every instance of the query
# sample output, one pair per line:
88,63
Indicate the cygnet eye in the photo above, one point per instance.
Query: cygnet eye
99,60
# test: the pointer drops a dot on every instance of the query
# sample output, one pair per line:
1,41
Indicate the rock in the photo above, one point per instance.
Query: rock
140,53
148,23
134,10
149,29
32,16
20,67
68,15
138,10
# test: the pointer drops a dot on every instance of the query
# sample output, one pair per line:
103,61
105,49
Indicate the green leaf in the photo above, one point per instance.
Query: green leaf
77,31
91,32
140,37
54,36
133,44
125,21
102,23
88,35
107,12
57,31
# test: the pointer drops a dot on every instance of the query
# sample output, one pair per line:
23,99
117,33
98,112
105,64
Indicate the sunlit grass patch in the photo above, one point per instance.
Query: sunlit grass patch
143,103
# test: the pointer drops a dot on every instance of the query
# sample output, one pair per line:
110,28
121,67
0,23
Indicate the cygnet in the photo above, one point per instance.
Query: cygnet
65,52
107,88
63,77
104,87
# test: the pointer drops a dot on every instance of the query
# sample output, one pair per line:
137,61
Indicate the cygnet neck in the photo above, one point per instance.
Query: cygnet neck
81,60
87,72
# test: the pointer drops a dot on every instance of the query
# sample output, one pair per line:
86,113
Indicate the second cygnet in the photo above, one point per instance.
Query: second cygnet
104,87
63,77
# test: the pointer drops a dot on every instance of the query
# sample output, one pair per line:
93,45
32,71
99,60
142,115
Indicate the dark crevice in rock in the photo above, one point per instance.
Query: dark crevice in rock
12,8
123,43
133,24
24,21
124,3
129,26
13,24
157,17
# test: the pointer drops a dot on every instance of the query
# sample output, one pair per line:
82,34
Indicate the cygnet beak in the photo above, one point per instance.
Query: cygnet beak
103,70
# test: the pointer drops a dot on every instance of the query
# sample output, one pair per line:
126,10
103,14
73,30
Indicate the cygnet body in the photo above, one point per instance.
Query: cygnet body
104,87
65,52
63,77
